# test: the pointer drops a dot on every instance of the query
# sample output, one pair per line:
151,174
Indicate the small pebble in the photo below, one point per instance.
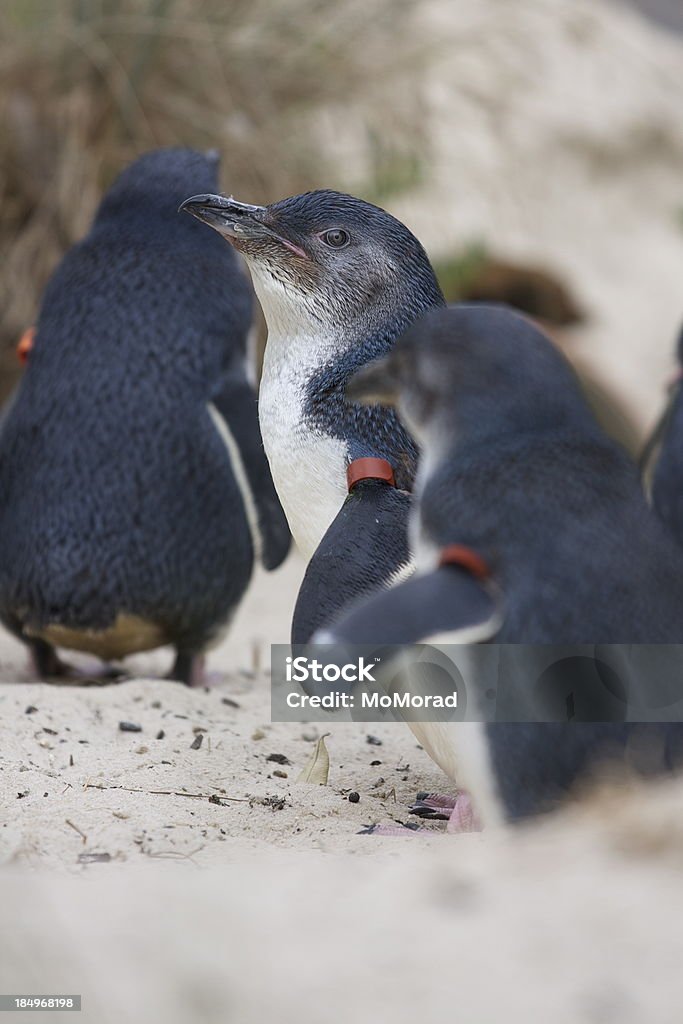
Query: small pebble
373,764
197,741
160,735
374,741
354,798
30,709
230,702
130,727
278,758
258,734
279,774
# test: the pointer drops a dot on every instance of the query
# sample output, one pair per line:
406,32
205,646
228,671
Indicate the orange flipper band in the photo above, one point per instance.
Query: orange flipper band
25,345
369,469
458,554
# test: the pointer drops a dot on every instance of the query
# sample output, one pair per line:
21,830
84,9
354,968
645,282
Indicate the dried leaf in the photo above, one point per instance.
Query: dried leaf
318,768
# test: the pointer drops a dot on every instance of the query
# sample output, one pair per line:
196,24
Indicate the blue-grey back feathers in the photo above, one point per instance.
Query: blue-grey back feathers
119,494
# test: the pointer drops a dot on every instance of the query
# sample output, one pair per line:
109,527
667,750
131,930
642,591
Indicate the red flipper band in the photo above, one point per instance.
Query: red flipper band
369,469
458,554
25,345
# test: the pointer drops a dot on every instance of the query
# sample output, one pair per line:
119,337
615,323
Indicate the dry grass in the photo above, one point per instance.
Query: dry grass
86,85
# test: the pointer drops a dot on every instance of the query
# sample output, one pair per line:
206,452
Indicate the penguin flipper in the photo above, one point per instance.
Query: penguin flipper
663,469
364,548
449,603
656,444
236,404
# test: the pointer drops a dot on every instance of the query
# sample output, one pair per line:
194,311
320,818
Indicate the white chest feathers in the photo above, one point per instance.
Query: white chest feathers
308,465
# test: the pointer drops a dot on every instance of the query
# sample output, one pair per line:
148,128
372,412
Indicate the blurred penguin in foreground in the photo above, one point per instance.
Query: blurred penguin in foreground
135,491
530,528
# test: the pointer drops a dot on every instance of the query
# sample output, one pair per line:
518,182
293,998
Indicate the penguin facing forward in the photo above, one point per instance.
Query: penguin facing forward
529,527
338,279
136,493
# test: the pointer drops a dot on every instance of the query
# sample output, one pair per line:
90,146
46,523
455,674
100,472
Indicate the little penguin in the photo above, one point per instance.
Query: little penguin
663,457
136,492
528,527
338,279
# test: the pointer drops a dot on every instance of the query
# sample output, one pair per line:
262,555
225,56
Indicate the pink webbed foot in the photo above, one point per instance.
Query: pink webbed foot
463,817
188,669
456,810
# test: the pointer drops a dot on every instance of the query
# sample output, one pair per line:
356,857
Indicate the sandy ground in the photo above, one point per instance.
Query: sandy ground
169,883
66,761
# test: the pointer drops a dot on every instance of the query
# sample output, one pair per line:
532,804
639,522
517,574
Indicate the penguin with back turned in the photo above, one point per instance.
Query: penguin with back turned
529,527
136,493
338,279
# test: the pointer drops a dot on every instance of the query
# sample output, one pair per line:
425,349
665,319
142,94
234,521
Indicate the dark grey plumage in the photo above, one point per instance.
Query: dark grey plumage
666,458
520,472
516,469
360,551
119,494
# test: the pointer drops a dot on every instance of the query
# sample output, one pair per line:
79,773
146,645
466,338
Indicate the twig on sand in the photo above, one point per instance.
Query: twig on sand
168,792
174,855
77,829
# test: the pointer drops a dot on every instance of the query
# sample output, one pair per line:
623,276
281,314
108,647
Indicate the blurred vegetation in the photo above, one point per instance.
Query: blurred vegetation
456,271
473,275
87,85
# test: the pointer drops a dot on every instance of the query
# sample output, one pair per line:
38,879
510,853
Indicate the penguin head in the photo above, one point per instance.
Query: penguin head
473,371
327,257
149,190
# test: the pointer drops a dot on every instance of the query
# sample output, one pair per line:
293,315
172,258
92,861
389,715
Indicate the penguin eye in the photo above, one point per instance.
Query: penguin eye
336,238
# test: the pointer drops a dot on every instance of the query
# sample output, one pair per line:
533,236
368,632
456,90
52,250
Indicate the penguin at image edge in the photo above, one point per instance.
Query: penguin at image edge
136,493
529,528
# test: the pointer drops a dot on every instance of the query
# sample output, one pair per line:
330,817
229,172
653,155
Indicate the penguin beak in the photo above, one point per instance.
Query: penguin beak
227,216
375,384
237,222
